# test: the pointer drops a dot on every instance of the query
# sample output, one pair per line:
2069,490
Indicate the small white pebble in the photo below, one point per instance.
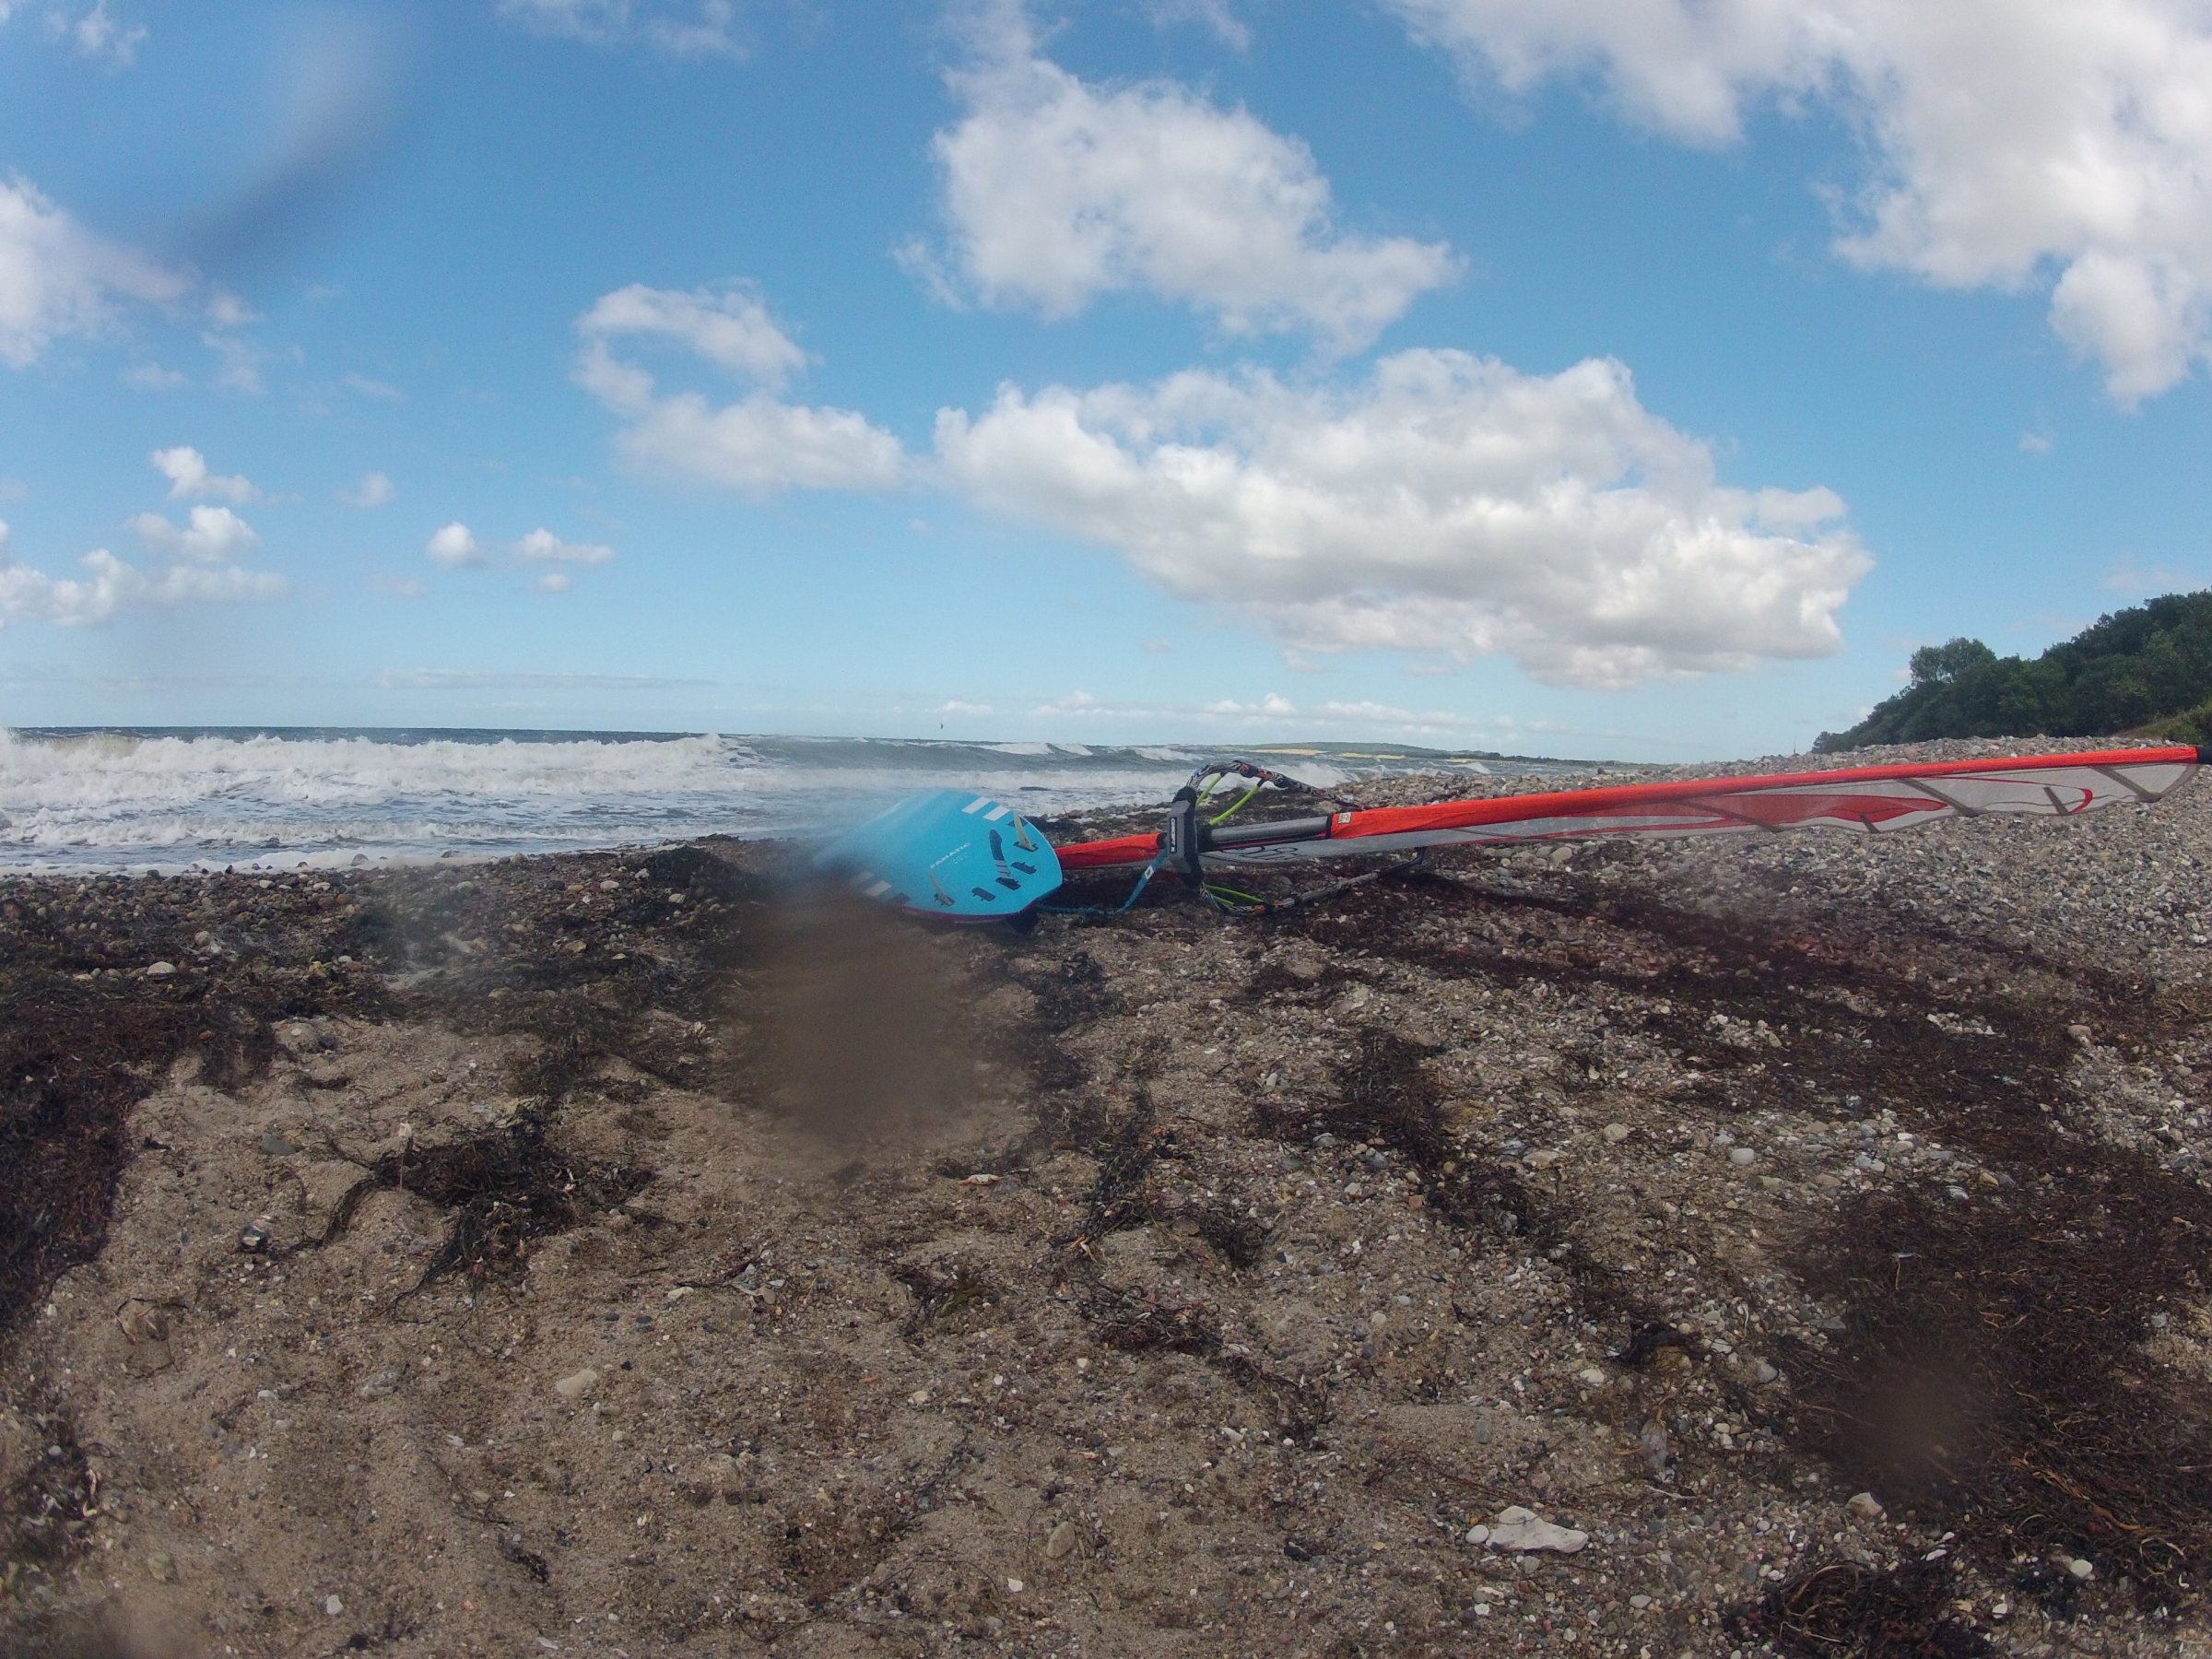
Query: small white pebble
333,1606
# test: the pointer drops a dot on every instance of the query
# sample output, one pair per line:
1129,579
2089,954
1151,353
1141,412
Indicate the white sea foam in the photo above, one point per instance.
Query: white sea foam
173,801
88,772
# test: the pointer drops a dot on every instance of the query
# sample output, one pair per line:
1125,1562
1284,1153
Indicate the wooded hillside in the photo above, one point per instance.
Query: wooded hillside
2146,670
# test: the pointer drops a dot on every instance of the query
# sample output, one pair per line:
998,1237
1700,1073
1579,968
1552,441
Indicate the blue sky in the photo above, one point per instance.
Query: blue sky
1565,378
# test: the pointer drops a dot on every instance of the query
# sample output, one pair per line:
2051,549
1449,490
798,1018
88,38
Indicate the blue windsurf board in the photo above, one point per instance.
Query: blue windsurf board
951,853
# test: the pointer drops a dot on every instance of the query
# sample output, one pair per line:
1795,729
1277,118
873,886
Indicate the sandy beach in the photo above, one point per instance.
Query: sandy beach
1786,1244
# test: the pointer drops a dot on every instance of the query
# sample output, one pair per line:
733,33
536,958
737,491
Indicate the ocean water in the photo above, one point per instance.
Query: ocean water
179,799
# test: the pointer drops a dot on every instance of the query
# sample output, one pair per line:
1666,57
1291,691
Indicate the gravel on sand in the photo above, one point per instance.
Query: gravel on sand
1787,1244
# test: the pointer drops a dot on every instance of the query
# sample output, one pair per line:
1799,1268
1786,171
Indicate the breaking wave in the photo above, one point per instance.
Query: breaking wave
140,799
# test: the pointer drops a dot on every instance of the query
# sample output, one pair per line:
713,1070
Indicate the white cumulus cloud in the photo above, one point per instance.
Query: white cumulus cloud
761,446
455,546
1216,17
58,278
96,33
759,443
1056,190
110,585
729,328
373,491
189,477
211,535
1450,504
542,547
2011,143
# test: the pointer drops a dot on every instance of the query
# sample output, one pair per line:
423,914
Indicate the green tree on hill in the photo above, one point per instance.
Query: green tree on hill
2147,669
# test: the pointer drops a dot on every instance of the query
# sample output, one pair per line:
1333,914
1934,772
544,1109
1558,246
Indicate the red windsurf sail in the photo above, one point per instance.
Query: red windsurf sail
1867,799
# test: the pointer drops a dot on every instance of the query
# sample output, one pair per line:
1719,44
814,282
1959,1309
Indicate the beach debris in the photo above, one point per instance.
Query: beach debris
1522,1529
300,1038
576,1384
144,1327
142,1321
716,1476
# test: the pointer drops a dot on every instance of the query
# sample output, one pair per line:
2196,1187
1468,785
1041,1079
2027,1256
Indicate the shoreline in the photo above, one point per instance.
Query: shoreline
879,1270
195,800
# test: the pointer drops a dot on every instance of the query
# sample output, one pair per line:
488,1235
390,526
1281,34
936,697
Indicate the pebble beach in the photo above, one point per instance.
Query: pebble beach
1783,1244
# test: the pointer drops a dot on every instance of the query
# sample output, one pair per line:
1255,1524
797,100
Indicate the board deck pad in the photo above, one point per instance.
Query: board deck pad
952,853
